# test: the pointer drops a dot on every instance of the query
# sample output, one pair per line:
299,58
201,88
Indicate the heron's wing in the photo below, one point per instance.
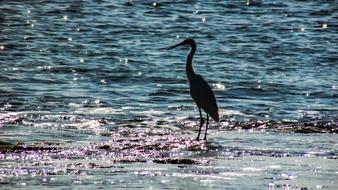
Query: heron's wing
203,96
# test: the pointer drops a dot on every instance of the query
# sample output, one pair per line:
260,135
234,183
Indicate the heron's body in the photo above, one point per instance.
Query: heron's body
200,90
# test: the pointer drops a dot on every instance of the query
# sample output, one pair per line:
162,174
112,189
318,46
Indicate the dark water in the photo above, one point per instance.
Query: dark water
88,99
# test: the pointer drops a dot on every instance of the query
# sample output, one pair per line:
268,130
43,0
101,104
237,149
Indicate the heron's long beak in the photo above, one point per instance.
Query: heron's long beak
180,44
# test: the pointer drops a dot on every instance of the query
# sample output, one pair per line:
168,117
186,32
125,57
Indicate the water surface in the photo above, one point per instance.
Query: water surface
89,99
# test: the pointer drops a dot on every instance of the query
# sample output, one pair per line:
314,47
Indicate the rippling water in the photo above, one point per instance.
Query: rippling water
88,97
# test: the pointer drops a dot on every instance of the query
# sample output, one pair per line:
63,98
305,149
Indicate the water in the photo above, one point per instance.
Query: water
89,100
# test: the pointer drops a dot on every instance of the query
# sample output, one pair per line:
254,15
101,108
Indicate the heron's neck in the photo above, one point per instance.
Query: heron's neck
189,69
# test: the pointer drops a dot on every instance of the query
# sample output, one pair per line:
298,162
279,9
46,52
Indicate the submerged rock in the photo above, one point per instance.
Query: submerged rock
177,161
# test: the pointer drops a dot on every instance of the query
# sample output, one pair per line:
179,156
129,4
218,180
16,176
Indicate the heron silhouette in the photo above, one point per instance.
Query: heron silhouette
200,90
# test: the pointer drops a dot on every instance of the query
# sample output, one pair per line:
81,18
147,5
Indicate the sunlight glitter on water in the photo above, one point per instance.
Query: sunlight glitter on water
218,86
324,26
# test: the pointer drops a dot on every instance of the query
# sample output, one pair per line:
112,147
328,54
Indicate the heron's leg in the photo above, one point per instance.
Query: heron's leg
201,124
206,128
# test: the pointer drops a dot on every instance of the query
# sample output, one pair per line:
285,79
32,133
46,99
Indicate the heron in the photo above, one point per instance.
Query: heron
200,90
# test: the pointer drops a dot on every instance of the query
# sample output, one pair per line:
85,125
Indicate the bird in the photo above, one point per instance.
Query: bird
200,90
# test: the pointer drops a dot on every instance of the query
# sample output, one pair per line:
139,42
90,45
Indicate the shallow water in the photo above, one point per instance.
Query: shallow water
89,99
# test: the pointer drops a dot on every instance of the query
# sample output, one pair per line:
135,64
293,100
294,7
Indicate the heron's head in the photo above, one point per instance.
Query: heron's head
188,41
